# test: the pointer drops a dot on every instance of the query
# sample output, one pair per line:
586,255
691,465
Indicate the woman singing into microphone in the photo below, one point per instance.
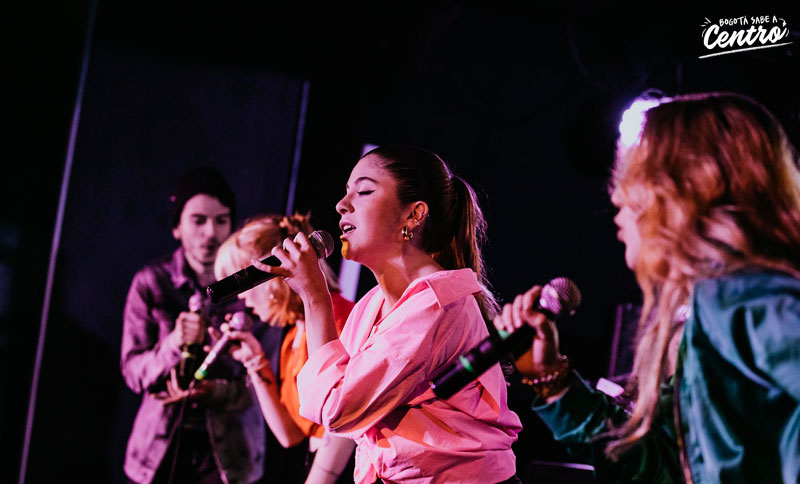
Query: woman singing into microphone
419,229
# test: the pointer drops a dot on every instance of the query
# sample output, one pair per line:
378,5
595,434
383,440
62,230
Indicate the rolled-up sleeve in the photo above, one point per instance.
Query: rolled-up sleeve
328,364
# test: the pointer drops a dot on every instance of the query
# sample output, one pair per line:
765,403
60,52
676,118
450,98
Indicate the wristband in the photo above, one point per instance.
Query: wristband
551,383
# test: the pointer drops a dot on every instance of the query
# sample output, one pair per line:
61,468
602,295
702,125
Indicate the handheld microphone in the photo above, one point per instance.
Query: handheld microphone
249,277
239,322
560,297
189,351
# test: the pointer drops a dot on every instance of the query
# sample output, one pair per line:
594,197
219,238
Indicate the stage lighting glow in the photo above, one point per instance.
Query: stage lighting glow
630,128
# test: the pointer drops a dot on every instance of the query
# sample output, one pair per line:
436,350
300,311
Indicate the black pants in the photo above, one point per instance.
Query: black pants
189,460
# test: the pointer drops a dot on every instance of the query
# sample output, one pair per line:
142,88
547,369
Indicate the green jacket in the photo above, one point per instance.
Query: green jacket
739,382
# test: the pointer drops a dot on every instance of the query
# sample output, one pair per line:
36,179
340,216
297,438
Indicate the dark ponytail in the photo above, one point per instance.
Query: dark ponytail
455,230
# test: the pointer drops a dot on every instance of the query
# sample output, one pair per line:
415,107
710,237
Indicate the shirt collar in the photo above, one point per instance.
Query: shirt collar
180,272
449,286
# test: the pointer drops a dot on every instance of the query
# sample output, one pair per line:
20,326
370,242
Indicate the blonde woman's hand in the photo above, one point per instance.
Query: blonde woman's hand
242,345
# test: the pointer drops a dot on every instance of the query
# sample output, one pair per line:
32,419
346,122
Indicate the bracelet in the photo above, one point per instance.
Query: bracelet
255,365
548,384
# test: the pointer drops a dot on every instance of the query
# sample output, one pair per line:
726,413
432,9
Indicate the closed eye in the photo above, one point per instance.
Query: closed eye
365,192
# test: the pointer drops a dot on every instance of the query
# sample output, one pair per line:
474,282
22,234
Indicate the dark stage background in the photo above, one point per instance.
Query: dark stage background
522,98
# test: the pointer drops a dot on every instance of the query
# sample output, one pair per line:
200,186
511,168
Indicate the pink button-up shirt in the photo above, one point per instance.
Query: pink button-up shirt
373,385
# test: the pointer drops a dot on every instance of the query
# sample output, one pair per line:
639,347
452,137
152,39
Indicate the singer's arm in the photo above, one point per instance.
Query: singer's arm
148,350
580,417
277,417
246,349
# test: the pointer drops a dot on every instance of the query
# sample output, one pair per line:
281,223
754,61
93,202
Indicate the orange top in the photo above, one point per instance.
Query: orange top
294,355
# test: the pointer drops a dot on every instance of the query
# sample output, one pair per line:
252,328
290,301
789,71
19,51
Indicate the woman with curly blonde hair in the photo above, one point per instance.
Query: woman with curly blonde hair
277,305
709,211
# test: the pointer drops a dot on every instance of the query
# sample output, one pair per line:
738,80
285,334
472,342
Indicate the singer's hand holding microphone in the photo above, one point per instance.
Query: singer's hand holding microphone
200,389
189,328
188,334
534,314
522,312
240,343
525,326
236,329
297,261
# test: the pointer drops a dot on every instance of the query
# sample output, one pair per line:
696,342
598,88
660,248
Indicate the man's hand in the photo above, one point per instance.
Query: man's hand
201,391
189,329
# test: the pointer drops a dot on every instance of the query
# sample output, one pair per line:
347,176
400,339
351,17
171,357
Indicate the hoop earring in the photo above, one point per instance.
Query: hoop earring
407,235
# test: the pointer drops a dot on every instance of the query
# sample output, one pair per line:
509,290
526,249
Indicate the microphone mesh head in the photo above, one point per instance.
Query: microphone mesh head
195,302
240,321
561,297
322,242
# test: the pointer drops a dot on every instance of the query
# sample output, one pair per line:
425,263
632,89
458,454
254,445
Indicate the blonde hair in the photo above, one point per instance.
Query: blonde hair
255,240
715,183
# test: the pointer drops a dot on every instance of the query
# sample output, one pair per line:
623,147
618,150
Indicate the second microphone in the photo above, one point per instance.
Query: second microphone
560,297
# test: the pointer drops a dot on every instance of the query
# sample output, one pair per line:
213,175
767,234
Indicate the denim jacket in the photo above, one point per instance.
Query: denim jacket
738,375
158,293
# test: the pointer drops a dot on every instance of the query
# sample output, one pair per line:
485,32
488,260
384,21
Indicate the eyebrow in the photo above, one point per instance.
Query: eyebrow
201,214
360,179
